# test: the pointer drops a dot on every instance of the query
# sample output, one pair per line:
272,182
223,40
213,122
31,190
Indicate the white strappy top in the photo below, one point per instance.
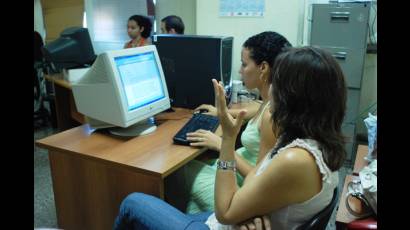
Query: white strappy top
294,215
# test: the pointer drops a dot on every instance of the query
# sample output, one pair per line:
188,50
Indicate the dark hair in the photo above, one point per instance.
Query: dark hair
38,44
143,21
175,22
309,101
266,46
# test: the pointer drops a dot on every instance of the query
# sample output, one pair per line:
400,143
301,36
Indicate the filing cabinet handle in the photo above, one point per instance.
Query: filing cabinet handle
339,16
340,55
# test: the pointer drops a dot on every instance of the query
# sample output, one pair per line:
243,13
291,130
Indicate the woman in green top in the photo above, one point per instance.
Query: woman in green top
193,186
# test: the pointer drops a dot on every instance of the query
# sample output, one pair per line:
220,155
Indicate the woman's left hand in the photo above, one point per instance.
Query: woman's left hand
257,223
230,127
204,138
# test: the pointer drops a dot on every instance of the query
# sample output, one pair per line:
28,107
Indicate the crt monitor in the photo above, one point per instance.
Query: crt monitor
123,90
190,62
72,49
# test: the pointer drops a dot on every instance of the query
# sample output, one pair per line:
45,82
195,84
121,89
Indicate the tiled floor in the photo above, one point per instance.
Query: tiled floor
44,207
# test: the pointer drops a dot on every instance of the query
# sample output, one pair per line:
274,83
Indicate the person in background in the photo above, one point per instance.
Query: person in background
296,178
139,30
172,24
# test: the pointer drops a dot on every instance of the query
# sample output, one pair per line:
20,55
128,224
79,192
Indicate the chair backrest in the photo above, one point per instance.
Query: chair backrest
320,220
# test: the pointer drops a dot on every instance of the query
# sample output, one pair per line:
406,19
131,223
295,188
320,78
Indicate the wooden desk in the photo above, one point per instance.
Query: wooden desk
343,216
93,172
66,111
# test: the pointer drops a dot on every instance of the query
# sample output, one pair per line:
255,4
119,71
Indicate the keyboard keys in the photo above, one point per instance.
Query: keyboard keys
197,121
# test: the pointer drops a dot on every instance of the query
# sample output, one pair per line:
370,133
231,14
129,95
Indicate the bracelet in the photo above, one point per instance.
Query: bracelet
226,165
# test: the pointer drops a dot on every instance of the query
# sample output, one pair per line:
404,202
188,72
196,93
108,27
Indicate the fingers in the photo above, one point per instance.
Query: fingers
266,222
200,144
219,97
203,131
251,226
196,138
200,107
204,106
240,118
216,92
198,133
258,223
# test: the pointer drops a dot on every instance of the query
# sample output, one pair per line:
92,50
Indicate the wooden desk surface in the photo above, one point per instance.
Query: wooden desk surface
59,80
360,162
344,216
154,153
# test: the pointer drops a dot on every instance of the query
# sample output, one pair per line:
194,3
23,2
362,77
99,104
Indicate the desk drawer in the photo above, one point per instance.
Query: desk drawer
352,63
342,25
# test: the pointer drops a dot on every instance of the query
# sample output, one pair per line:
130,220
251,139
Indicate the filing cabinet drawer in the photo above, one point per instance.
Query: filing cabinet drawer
341,25
349,131
352,105
351,61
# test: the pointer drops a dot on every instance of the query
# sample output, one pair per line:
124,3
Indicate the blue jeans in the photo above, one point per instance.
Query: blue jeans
141,211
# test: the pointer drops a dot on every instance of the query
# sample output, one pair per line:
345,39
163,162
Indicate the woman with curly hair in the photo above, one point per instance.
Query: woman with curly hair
138,29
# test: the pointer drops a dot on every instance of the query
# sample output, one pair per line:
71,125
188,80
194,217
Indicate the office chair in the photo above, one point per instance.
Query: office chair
320,220
41,115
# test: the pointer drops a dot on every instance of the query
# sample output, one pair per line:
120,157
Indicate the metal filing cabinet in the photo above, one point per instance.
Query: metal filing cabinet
341,29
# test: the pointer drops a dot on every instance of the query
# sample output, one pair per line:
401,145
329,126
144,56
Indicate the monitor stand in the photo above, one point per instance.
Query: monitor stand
144,127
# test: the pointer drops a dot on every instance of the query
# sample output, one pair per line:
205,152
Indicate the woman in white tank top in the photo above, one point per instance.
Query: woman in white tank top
296,178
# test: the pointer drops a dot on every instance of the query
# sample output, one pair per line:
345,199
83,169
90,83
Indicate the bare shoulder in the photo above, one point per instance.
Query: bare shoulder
294,163
297,158
300,166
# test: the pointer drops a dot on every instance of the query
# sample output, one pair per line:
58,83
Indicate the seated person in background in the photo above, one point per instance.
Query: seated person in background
197,178
172,24
296,179
139,29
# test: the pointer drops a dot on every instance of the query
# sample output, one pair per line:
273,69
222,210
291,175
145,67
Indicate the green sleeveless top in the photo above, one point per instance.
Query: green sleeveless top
200,176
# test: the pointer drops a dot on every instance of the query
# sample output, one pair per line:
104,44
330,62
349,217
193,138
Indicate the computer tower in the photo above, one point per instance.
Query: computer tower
190,62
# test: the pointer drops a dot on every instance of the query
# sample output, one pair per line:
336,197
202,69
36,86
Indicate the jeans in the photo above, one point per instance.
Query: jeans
141,211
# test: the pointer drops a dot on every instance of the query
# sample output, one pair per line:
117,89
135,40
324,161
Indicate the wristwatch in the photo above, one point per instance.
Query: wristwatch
226,165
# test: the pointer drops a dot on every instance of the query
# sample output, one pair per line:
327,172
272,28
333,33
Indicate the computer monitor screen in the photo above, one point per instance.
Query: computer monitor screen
123,88
190,62
141,87
72,49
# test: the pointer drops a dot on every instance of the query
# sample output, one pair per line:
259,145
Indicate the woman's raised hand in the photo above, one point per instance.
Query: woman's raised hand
230,127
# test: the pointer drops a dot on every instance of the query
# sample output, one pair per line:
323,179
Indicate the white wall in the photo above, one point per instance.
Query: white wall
107,22
186,9
281,16
38,19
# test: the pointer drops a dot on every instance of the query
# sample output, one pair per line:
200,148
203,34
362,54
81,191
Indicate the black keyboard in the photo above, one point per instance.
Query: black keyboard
197,121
